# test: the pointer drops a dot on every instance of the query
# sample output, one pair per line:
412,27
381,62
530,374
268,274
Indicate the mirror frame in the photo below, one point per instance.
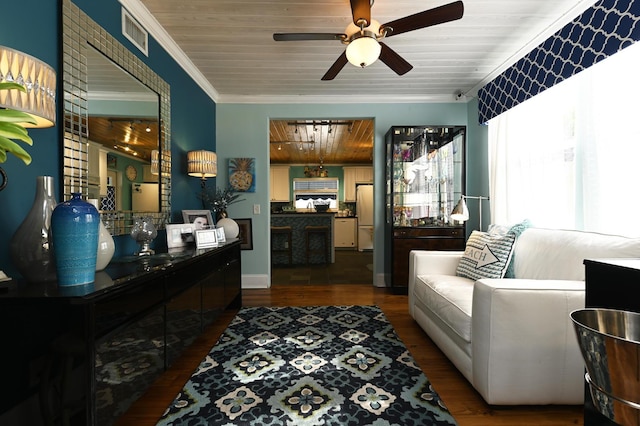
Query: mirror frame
79,33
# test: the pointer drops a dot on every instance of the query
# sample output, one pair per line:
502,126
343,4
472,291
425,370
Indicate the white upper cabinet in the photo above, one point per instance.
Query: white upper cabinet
279,184
352,176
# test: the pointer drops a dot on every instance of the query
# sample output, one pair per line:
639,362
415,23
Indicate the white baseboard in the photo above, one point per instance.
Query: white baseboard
379,281
255,281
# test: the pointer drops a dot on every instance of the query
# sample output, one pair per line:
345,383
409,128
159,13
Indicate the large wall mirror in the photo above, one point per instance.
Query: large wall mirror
117,126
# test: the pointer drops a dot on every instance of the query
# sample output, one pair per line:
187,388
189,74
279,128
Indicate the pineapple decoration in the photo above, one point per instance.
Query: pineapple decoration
241,174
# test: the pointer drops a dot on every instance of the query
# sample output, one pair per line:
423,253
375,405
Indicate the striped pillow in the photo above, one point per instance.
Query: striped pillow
486,255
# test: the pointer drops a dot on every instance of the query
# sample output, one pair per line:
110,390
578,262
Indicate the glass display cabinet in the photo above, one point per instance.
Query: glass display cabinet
425,177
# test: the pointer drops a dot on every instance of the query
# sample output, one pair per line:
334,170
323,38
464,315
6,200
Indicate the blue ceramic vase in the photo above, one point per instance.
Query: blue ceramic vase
75,228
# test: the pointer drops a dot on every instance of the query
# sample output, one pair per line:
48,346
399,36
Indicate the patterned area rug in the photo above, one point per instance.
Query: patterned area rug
323,365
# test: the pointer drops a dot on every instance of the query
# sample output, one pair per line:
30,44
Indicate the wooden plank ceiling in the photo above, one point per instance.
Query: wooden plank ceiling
126,136
315,142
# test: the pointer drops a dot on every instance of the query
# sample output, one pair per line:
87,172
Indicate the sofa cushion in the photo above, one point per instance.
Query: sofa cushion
450,298
486,255
517,229
559,254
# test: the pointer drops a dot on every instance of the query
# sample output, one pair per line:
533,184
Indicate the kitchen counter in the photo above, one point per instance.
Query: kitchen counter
297,221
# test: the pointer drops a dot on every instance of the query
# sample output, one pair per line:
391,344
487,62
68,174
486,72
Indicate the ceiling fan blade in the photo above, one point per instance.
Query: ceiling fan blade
438,15
361,10
336,67
394,61
307,36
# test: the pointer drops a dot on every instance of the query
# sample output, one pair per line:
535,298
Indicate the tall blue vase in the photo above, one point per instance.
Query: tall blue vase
75,228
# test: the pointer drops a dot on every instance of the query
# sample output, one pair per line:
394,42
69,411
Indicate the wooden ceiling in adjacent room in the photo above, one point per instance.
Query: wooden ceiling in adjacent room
128,136
328,142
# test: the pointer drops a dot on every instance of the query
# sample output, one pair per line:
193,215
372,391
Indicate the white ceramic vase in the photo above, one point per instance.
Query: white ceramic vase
230,226
106,245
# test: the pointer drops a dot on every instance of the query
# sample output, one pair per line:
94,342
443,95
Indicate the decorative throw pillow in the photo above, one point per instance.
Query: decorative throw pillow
517,229
486,255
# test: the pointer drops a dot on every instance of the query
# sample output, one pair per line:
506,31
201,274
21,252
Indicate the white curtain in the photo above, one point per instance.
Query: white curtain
570,157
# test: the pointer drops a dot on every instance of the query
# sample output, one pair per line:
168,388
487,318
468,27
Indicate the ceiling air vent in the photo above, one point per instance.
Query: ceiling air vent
135,32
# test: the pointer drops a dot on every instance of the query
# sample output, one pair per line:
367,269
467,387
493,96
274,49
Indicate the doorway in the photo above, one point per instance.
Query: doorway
321,148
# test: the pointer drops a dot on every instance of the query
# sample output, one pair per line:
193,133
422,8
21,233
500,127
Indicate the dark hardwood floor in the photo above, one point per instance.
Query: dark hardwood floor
462,400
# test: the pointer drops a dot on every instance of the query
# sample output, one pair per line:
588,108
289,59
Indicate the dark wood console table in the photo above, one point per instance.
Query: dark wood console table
609,283
88,352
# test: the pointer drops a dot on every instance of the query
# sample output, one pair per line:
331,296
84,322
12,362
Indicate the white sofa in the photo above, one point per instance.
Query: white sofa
512,338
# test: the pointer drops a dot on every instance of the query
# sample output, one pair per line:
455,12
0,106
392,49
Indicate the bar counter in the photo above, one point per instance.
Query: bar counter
297,221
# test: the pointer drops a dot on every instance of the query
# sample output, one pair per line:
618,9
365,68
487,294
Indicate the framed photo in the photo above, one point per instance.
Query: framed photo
206,238
221,236
179,234
242,174
112,161
201,219
246,234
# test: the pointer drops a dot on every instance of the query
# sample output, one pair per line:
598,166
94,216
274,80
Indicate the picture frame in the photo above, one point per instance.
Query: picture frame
196,218
242,174
246,234
206,238
179,234
221,236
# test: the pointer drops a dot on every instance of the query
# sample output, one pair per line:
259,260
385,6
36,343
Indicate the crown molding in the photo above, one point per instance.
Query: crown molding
333,99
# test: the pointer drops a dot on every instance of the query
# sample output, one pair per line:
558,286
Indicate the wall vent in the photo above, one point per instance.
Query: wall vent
133,31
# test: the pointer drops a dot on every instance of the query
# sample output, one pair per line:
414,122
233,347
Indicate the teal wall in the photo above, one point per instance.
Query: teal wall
250,124
193,114
242,131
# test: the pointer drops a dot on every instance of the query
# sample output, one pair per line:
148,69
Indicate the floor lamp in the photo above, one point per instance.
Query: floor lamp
461,212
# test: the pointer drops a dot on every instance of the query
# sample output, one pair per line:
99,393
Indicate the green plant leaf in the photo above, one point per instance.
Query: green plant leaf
14,131
11,128
7,145
13,116
7,85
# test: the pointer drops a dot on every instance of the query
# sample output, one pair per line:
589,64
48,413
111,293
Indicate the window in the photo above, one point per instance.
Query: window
570,157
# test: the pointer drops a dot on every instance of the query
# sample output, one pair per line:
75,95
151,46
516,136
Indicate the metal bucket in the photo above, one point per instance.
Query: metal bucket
610,344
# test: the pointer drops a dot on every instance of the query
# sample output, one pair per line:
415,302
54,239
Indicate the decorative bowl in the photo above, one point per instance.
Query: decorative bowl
321,207
609,340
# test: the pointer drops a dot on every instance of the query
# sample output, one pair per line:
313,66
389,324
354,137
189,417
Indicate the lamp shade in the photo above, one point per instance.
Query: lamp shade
364,49
202,164
460,211
39,80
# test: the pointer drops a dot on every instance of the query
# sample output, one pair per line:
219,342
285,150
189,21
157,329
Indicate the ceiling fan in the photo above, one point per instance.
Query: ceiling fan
363,36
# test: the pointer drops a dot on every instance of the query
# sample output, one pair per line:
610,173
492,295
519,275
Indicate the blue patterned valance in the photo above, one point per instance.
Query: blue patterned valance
602,30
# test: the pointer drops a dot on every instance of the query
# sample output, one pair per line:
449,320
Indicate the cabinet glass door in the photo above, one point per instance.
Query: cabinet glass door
424,174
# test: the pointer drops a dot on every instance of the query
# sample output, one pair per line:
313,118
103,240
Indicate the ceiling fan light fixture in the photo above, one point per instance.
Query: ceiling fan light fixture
363,48
363,51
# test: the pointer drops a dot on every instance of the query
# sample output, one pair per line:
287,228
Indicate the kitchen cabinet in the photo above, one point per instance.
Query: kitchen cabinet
345,232
279,184
353,175
424,178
